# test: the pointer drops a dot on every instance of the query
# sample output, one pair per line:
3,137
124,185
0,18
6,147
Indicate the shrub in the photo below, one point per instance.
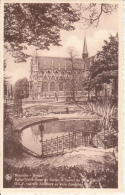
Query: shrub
97,178
12,140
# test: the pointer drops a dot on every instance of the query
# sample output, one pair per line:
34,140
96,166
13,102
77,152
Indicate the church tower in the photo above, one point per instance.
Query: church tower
85,51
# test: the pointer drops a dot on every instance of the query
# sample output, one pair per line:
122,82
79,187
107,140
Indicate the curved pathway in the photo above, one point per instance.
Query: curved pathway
22,123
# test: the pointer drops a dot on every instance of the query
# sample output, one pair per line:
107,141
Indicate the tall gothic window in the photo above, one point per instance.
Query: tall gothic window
61,86
45,86
52,86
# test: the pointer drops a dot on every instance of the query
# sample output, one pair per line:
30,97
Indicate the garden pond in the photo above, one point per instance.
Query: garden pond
31,136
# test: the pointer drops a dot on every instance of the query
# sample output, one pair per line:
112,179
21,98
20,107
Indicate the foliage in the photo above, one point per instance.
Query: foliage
86,83
111,140
8,89
6,80
103,109
37,24
73,81
109,122
21,89
105,66
12,144
5,86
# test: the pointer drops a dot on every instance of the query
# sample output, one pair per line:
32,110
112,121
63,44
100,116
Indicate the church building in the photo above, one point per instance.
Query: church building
48,75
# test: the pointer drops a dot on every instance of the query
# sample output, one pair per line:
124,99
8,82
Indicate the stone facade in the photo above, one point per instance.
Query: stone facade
47,75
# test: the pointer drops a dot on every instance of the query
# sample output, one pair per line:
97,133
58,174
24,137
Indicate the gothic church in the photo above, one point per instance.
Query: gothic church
47,75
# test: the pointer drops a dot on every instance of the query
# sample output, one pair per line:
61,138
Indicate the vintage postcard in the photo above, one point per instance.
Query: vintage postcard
61,96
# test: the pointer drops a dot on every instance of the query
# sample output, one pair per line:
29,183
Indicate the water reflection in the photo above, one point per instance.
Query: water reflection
31,140
31,136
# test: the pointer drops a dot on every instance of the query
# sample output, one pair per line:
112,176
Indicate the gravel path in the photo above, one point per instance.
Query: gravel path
91,158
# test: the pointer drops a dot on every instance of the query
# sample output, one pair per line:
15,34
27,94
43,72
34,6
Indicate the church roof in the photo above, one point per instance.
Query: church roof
57,62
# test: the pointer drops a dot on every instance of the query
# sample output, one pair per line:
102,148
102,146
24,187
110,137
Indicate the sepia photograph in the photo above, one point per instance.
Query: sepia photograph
61,95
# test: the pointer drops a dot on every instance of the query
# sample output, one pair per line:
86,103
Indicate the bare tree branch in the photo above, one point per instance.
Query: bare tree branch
94,12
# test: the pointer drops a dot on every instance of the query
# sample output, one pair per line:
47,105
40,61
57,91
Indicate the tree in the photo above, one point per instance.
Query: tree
105,67
36,24
39,24
21,89
73,81
11,91
86,84
7,91
92,12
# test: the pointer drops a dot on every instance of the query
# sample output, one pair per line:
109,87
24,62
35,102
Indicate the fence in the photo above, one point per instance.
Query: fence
69,141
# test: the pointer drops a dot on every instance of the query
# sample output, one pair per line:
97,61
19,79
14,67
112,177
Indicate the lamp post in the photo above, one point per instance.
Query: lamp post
41,128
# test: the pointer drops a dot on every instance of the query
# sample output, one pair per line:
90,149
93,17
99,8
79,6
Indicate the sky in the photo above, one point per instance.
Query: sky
95,37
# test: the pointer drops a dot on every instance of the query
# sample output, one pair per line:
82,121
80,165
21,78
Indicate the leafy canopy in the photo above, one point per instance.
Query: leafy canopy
39,24
36,24
21,89
105,66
